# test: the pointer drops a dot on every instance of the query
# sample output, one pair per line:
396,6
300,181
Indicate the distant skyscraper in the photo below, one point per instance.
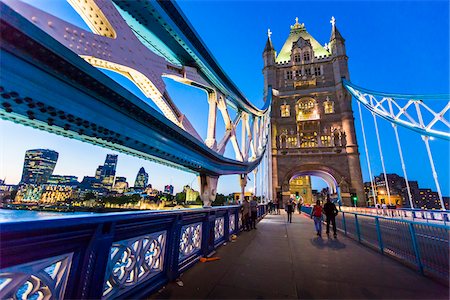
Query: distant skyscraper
63,180
120,185
38,165
106,173
141,179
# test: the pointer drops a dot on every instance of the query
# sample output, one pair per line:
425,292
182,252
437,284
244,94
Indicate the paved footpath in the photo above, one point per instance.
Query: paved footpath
288,261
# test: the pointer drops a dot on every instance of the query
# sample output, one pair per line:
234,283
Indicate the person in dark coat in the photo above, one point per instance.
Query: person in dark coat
331,212
290,209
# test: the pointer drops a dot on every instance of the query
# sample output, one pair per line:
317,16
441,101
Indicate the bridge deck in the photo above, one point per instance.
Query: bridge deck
280,260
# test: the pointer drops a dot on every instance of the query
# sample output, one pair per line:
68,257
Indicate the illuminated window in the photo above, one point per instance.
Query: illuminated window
292,141
307,109
328,106
317,71
306,56
285,110
325,140
308,140
288,74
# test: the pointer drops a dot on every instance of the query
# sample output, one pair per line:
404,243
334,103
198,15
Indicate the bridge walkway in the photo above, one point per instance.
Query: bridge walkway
288,261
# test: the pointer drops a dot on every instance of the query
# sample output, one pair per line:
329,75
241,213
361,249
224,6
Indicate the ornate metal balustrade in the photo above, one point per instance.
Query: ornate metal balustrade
419,245
109,256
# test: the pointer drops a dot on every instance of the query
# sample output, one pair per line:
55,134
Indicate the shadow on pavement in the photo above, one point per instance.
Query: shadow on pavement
327,242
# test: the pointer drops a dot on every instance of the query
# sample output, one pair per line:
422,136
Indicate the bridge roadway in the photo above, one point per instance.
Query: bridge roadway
287,261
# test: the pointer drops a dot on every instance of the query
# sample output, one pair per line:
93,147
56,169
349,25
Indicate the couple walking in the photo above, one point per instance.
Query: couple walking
249,214
330,211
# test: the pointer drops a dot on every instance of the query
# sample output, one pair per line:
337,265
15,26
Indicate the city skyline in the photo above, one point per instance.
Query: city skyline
376,46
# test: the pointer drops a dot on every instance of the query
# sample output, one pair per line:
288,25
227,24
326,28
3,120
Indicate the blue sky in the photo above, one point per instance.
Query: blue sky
393,46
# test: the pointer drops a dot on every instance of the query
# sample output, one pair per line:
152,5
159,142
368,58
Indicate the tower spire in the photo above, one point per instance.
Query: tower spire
269,46
335,34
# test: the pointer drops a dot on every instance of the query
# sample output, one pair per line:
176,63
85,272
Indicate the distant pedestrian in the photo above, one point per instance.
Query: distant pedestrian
270,204
299,206
384,207
253,213
290,209
277,207
331,212
316,214
245,214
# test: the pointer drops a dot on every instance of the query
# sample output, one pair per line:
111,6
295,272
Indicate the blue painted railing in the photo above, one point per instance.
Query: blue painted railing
106,256
404,213
422,246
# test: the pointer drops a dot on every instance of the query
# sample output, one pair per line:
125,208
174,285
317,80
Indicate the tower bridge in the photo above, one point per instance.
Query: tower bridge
50,80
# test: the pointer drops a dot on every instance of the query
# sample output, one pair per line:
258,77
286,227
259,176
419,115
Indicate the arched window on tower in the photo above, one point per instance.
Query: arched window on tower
285,110
307,109
328,106
283,138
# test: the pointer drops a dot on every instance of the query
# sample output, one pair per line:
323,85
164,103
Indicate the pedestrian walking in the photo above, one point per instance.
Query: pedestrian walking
277,207
290,209
331,212
253,213
299,206
316,214
245,214
270,204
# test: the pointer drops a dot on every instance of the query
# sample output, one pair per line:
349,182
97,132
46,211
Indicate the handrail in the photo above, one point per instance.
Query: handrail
117,255
422,246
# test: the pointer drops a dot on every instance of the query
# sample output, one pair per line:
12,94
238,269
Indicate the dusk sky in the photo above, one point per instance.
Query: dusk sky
393,46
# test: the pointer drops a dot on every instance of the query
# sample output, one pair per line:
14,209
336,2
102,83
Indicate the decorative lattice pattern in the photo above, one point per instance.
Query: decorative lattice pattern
219,228
42,279
133,261
190,240
232,223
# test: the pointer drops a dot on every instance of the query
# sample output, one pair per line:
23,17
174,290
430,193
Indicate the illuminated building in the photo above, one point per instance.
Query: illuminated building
53,194
168,189
120,185
38,166
300,188
398,193
141,179
106,173
237,196
312,129
46,193
63,180
191,194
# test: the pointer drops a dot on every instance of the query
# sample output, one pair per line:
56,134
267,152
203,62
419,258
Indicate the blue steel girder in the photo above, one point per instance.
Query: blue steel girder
406,110
166,21
146,42
47,86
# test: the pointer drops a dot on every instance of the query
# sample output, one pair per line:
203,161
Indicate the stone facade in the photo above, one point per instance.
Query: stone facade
312,124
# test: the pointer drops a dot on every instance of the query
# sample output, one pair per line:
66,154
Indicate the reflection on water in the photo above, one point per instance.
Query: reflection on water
11,215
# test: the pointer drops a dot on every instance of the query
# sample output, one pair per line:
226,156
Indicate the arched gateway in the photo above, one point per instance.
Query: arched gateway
337,184
312,129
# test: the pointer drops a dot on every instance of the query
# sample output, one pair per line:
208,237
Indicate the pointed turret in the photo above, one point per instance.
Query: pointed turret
269,46
337,42
269,51
269,55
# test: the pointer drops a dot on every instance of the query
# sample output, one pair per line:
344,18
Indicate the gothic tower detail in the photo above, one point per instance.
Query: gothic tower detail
312,132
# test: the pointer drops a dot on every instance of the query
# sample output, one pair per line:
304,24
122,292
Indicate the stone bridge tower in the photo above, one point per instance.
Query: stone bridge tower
312,132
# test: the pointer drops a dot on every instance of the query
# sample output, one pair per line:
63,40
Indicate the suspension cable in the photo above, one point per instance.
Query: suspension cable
382,158
403,164
374,194
430,157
